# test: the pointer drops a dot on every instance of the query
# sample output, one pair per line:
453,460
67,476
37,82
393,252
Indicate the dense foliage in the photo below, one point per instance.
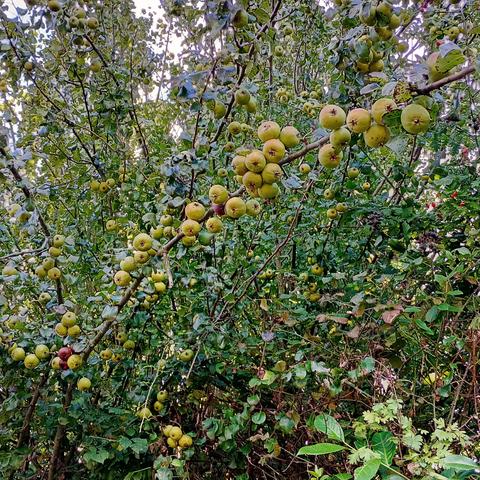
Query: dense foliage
190,290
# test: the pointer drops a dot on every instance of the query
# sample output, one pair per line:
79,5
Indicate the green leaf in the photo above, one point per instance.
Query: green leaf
445,307
259,417
452,59
382,442
367,471
459,462
261,15
139,445
320,449
326,424
95,455
431,315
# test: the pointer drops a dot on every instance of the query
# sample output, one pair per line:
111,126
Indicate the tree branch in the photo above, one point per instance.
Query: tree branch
445,81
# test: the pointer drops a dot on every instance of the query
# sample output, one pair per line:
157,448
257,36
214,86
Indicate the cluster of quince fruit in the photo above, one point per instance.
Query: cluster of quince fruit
259,170
142,245
176,438
66,359
104,186
68,326
48,266
30,360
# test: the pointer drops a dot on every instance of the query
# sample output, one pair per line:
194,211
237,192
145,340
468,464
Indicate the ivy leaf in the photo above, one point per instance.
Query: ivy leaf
95,455
139,445
259,417
367,471
320,449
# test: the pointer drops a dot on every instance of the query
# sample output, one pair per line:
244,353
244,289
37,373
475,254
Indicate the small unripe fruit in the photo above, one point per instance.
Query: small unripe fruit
242,96
332,117
61,330
366,186
128,264
195,211
235,207
122,278
58,241
251,106
106,354
253,207
255,161
144,413
358,120
289,136
142,257
74,331
272,173
240,19
304,168
219,109
162,396
54,5
42,351
142,242
376,136
92,23
269,191
74,361
185,441
190,228
160,287
381,107
234,127
331,213
17,354
218,194
69,319
214,225
268,130
111,225
175,433
238,165
166,220
83,384
44,297
56,363
40,272
340,138
157,406
54,252
329,157
185,355
48,263
54,273
252,181
274,150
353,172
171,442
415,119
31,361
